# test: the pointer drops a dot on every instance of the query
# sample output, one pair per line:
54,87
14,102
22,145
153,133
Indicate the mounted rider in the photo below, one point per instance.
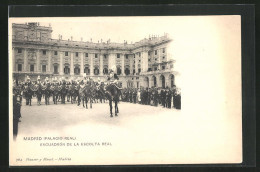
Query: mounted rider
113,78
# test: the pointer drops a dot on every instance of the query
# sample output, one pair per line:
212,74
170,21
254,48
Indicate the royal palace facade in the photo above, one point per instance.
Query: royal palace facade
145,63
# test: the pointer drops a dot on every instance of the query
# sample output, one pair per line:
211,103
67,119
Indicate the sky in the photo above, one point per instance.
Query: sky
207,40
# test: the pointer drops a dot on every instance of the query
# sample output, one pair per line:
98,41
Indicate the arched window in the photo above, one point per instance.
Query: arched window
105,71
118,71
66,70
86,70
76,70
127,71
96,71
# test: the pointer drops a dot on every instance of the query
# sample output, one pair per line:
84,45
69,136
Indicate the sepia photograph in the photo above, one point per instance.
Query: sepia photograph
125,90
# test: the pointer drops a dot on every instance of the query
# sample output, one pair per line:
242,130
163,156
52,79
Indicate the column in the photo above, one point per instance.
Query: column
145,61
150,81
81,64
72,64
123,65
136,63
131,63
38,68
13,59
49,61
61,63
101,65
159,58
91,64
25,60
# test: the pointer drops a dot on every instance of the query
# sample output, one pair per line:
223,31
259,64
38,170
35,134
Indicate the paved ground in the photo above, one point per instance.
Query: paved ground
55,118
141,134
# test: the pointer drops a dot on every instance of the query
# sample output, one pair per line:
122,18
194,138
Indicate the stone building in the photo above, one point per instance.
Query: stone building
145,63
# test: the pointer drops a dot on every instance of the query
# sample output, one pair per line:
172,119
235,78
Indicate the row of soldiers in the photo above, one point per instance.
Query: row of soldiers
166,97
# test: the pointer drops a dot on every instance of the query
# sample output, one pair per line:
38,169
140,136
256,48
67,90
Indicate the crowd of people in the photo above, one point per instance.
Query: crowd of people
165,97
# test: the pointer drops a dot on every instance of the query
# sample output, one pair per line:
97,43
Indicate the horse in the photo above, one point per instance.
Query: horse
81,96
28,94
55,92
72,93
37,91
63,93
101,93
113,93
89,94
46,92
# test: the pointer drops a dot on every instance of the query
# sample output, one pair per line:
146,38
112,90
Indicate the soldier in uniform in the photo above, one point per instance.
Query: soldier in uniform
163,97
134,95
38,92
113,78
16,111
156,96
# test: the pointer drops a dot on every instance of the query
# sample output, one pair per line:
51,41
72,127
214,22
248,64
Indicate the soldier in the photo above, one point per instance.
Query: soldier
163,97
168,98
135,95
16,112
38,91
113,78
156,96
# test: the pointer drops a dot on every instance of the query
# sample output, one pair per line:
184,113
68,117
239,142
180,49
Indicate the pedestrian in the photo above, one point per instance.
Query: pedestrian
16,112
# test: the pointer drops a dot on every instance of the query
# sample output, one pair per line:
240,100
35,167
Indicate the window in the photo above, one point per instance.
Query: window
163,57
155,69
55,53
139,61
127,71
31,68
155,59
105,56
76,70
86,54
163,50
139,70
118,55
67,70
44,52
155,52
19,50
86,70
66,53
163,67
55,69
77,54
139,54
105,71
149,60
96,71
118,70
43,68
19,67
149,69
126,56
96,56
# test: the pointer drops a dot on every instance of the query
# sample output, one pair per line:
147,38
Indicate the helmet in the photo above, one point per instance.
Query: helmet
39,78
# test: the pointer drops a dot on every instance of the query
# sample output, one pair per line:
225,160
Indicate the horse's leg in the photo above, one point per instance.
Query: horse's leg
111,107
116,108
86,100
